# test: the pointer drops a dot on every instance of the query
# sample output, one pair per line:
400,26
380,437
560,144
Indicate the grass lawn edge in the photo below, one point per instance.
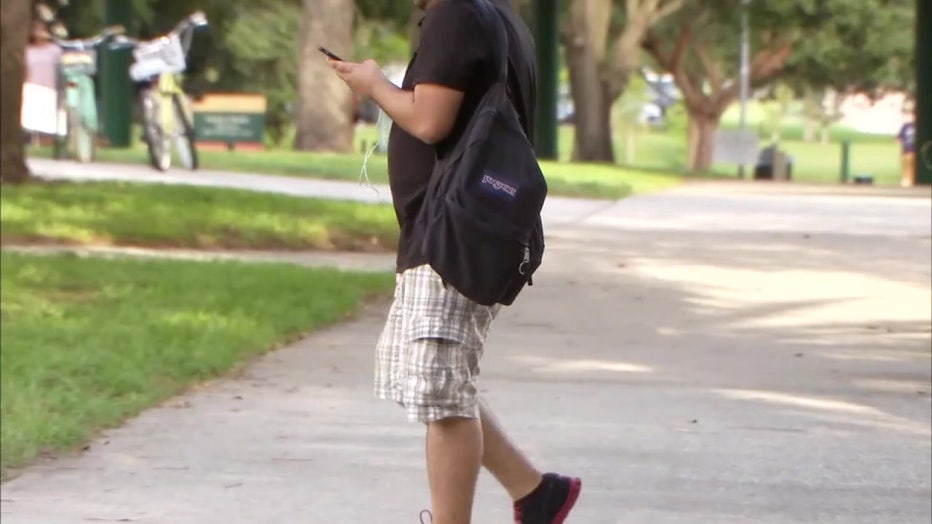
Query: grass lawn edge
374,290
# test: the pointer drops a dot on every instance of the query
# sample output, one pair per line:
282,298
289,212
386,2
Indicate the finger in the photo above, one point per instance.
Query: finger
345,77
343,67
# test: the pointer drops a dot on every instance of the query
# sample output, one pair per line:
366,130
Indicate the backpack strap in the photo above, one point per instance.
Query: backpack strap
500,54
500,42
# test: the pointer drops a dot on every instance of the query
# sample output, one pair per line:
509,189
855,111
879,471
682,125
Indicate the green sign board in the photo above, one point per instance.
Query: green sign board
229,127
230,118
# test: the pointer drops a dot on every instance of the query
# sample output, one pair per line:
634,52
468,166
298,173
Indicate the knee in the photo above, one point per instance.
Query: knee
455,429
451,421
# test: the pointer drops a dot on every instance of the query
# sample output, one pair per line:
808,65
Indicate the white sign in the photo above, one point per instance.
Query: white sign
736,147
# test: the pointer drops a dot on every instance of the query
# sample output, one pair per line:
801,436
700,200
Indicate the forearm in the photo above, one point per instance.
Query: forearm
404,109
401,107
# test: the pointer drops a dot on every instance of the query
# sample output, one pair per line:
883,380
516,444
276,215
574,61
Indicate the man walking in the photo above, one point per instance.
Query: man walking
427,358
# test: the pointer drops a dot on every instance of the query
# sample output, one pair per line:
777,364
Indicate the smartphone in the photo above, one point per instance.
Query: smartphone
327,52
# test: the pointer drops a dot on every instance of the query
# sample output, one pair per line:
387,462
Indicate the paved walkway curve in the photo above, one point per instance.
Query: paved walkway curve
557,211
341,260
713,354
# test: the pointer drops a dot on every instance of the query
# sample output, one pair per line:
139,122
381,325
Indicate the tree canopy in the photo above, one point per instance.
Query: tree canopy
809,44
863,45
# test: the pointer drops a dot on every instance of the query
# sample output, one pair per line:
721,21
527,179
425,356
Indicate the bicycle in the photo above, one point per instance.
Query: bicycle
76,94
167,115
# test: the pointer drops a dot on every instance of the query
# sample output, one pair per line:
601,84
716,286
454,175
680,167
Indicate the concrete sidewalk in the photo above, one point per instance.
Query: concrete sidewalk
346,261
697,356
557,210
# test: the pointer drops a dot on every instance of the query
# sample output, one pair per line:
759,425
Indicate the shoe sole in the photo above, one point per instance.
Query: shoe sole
575,488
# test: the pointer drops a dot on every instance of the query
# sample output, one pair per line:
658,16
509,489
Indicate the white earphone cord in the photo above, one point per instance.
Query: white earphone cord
380,143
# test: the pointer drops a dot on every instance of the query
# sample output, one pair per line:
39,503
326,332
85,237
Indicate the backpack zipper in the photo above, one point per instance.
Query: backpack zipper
526,265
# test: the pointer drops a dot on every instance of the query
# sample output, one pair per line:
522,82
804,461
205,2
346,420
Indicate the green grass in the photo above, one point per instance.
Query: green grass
658,160
604,181
575,180
89,342
812,162
158,215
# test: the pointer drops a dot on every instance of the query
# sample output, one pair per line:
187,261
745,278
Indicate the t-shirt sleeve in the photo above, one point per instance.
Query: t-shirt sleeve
452,46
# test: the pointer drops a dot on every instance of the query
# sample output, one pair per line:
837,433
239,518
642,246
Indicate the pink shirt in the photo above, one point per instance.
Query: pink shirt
42,64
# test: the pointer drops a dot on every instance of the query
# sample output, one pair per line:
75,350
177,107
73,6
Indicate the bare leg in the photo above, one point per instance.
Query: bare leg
504,460
909,170
454,454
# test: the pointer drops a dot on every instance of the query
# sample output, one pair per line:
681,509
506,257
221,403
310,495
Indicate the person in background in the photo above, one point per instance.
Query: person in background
42,56
40,91
907,139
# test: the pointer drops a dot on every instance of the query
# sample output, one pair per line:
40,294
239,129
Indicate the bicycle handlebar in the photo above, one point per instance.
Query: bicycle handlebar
88,43
123,39
192,21
195,19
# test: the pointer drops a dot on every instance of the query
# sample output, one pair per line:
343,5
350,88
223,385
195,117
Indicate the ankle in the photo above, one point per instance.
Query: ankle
526,488
551,501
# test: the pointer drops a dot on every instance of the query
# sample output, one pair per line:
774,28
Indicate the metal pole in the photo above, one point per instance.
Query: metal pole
745,70
546,14
845,161
115,86
923,92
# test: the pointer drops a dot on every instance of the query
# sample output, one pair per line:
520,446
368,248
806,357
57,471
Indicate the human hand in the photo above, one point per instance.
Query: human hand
360,77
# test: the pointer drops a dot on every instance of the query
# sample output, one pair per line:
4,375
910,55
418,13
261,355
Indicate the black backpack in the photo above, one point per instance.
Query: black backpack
482,231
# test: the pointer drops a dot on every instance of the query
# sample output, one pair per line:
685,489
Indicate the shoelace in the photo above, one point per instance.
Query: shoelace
430,517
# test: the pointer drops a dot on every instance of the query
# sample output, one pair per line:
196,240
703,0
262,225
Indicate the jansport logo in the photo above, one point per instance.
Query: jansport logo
498,185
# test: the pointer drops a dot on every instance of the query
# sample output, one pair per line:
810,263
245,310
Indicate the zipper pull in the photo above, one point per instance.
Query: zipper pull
526,263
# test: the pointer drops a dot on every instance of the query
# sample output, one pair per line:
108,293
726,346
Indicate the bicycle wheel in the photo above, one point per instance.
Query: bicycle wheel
80,137
157,142
184,135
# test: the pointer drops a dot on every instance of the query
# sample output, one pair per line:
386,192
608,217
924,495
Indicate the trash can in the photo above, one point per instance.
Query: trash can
766,164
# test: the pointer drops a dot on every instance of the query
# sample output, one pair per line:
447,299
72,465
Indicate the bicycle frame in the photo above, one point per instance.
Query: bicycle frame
167,85
77,80
77,68
166,112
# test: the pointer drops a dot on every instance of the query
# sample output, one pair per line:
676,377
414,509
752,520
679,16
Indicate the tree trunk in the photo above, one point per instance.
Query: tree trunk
809,130
631,145
325,107
702,128
14,35
592,118
600,70
591,107
585,48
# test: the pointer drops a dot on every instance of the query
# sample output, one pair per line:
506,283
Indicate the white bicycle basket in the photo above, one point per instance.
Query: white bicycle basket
160,56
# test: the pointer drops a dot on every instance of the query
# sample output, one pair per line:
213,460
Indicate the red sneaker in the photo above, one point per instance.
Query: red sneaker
550,503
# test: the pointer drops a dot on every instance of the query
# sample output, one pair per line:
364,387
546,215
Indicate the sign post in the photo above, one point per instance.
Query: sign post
923,92
546,33
230,121
735,146
115,88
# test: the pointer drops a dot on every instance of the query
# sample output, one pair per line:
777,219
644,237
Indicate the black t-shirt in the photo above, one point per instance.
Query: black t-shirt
454,51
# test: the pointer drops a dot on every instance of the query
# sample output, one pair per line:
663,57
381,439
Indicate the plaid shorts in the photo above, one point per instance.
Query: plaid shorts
427,358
